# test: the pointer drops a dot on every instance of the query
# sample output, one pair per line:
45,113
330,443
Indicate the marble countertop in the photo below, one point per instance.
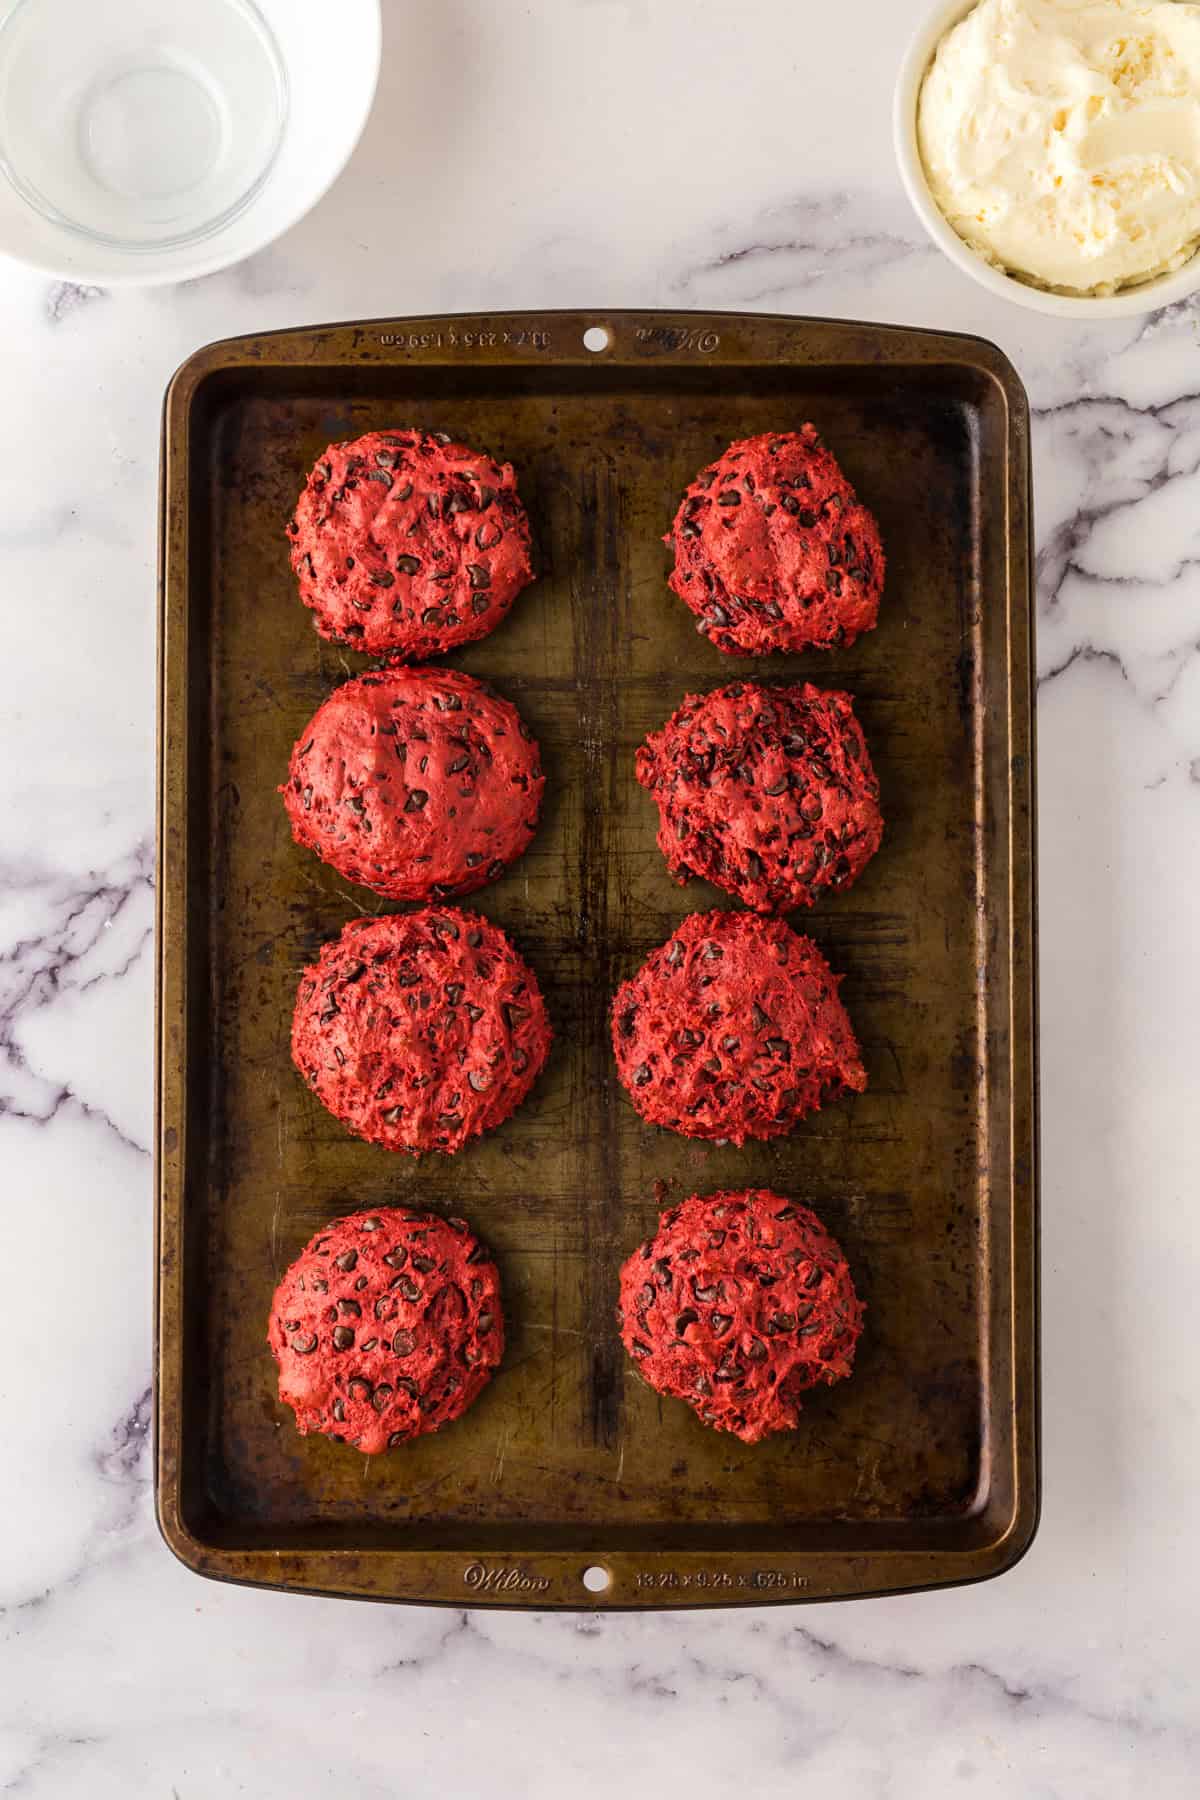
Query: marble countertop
682,153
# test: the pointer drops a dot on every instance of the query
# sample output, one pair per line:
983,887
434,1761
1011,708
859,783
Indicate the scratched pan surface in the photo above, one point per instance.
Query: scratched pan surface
920,1470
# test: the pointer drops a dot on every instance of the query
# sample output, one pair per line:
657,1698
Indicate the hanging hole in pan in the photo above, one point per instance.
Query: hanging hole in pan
597,338
597,1580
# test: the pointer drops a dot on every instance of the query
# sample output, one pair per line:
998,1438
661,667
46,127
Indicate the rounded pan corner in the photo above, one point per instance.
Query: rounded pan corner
974,351
187,380
994,362
201,367
1000,1553
1016,1541
186,1547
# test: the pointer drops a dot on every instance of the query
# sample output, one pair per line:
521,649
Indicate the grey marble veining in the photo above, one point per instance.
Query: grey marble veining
578,153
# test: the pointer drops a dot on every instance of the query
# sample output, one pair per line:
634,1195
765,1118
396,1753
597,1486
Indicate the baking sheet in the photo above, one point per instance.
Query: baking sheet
923,1468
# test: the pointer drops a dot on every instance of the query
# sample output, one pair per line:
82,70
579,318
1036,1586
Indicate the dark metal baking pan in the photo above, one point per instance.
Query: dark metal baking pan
922,1469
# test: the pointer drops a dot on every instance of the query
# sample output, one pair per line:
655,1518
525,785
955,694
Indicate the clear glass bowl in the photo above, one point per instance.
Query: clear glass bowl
140,124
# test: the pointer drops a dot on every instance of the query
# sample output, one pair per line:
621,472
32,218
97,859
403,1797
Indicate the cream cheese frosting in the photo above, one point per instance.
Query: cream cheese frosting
1061,138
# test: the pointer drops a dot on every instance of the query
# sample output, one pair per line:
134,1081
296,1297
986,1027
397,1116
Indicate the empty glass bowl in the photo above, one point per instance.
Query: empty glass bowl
150,140
142,123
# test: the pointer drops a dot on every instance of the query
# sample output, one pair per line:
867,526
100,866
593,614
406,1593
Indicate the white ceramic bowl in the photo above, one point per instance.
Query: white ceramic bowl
327,63
1150,295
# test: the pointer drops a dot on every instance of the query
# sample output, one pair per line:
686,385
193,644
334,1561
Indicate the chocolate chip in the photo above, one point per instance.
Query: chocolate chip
382,578
350,1309
641,1075
417,800
343,1337
719,1323
689,1316
346,1261
479,1081
730,497
403,1344
304,1346
371,1224
408,565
